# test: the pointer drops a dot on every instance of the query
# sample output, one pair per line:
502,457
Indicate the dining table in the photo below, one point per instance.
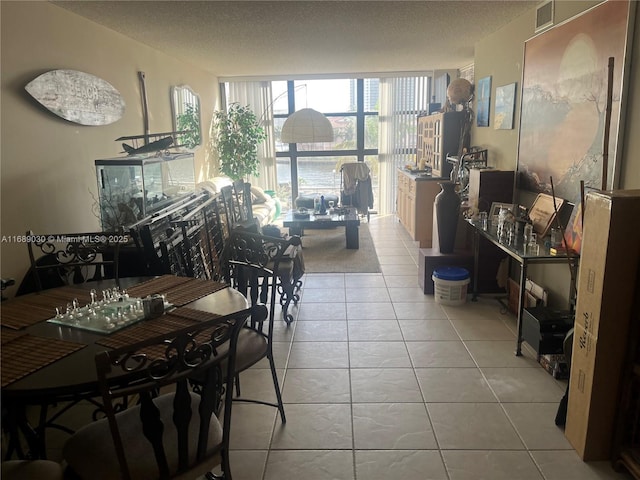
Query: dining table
47,362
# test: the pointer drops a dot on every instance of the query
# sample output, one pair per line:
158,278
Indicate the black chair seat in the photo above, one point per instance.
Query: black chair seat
31,469
252,347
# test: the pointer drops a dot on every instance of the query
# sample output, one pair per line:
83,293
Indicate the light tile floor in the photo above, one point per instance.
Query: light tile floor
381,382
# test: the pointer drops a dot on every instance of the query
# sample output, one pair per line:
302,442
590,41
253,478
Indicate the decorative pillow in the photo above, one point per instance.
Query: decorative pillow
258,195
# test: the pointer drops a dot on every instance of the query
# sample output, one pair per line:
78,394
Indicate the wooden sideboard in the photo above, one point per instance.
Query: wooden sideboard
414,207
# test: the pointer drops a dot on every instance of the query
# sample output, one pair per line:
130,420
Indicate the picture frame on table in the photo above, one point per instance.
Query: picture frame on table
495,210
543,213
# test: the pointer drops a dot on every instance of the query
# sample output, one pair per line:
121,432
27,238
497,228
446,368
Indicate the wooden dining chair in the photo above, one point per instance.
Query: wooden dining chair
174,434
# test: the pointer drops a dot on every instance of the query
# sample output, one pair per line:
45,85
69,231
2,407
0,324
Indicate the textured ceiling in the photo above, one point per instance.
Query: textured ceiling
244,38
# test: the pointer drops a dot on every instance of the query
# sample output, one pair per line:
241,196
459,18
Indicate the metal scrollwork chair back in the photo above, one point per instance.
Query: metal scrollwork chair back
173,433
257,266
237,203
282,258
71,258
203,238
181,239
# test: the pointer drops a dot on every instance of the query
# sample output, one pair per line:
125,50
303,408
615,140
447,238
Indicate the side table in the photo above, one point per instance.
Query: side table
517,253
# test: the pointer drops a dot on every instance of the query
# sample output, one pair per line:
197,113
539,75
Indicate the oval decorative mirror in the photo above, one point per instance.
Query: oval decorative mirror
185,104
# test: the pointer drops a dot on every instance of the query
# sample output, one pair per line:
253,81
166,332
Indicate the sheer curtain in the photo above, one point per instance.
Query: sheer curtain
258,96
401,100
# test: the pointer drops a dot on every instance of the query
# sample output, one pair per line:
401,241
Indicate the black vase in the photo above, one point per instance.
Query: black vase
323,206
447,210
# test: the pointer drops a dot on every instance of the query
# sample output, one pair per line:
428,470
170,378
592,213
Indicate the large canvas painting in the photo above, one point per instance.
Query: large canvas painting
564,92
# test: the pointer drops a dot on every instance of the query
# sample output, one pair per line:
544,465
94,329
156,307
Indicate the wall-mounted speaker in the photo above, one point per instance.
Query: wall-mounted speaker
544,15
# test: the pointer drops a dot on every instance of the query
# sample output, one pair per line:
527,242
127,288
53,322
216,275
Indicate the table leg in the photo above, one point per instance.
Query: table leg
476,253
353,238
19,429
523,293
296,229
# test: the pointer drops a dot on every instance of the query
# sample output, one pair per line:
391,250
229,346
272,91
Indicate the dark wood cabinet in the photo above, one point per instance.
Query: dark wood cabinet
487,186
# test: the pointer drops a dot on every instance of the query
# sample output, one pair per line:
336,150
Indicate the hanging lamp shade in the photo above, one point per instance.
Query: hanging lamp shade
307,126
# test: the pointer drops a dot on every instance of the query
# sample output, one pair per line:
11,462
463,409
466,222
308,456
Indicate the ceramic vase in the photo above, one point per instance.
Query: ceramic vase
447,210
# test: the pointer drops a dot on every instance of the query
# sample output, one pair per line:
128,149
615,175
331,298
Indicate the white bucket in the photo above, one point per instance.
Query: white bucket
450,292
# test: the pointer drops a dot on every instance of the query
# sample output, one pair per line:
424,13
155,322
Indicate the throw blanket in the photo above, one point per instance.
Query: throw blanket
356,186
351,174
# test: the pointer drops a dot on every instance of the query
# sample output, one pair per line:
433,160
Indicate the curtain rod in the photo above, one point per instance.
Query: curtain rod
324,76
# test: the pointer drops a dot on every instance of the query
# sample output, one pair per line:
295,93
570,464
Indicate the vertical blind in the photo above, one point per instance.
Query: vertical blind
401,101
258,96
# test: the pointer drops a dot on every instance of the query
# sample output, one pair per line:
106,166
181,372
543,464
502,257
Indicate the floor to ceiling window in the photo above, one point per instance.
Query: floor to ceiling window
374,121
351,105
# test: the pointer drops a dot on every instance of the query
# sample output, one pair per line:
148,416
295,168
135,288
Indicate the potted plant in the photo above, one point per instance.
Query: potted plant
237,135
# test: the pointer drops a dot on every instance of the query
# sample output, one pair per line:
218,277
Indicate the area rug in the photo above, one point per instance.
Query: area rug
325,251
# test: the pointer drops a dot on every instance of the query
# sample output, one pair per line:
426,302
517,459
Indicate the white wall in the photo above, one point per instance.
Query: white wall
500,56
47,171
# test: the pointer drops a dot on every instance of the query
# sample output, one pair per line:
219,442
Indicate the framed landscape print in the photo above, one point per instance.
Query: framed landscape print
483,93
564,101
505,100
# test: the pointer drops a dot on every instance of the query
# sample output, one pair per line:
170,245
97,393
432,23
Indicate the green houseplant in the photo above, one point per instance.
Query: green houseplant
189,122
237,135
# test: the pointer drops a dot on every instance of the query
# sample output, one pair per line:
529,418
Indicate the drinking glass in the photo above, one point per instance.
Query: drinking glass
484,219
533,248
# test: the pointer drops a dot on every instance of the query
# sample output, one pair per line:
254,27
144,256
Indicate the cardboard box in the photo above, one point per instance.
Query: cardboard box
606,283
535,295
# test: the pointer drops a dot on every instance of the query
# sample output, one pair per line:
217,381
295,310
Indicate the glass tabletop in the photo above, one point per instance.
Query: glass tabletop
516,247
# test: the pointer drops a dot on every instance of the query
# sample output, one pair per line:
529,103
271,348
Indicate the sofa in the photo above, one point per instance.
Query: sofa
265,207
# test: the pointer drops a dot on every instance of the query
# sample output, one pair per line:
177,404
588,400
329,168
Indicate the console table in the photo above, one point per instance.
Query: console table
517,252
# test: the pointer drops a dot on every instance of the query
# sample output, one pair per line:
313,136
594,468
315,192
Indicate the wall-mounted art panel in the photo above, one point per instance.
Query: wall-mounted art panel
78,97
505,103
483,94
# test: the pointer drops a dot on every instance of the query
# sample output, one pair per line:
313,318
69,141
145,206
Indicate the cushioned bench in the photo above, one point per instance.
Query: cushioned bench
306,200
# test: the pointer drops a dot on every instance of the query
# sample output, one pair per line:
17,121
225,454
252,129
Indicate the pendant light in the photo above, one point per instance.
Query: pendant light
307,126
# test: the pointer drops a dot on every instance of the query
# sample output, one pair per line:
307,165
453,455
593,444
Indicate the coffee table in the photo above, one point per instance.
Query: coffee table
349,220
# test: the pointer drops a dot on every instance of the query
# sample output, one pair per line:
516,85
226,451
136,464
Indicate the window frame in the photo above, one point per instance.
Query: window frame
360,152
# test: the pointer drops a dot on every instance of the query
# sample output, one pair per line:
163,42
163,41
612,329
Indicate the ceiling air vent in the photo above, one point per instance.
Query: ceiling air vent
544,15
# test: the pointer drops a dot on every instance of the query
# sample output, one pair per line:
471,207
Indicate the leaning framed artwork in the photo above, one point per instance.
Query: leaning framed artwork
505,102
565,84
483,93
